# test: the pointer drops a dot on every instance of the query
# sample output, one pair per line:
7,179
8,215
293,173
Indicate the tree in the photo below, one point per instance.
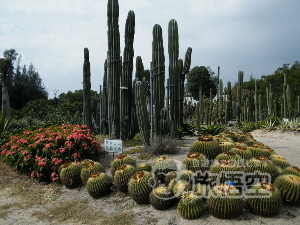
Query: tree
201,76
6,74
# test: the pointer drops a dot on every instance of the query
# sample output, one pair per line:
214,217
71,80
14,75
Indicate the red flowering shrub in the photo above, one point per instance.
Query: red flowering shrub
41,152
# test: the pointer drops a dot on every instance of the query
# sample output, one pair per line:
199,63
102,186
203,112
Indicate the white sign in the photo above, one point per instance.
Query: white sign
113,145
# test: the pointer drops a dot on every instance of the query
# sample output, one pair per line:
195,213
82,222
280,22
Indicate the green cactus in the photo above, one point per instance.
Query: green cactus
161,198
140,186
122,176
120,160
144,167
164,122
170,176
225,202
70,175
186,175
114,64
180,187
104,121
173,49
206,146
89,169
242,151
190,205
280,161
292,170
229,155
158,71
126,79
99,184
141,111
196,162
226,145
87,89
264,199
162,166
261,164
224,169
289,187
84,162
256,151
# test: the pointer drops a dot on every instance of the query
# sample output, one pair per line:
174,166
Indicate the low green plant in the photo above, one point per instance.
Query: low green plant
187,129
163,145
211,129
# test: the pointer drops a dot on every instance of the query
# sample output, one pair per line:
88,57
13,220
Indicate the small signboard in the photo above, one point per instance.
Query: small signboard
113,145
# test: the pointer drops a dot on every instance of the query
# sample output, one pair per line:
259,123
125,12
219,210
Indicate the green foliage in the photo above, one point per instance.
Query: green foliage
245,126
40,152
163,145
201,76
211,129
187,129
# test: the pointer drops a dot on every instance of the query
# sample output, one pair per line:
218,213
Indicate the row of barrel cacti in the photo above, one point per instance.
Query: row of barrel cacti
111,79
245,109
201,177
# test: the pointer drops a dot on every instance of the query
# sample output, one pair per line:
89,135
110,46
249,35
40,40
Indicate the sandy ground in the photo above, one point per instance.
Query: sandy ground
120,205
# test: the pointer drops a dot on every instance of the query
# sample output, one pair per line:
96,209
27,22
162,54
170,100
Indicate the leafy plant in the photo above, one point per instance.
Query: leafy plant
211,129
246,127
187,129
41,152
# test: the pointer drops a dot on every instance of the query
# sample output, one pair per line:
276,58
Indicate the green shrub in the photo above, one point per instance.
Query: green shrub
187,129
211,129
41,152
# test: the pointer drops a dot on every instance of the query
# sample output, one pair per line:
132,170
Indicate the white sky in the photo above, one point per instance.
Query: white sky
255,36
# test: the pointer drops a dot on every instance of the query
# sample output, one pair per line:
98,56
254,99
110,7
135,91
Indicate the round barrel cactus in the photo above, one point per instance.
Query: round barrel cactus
190,205
225,202
162,166
140,186
144,166
89,169
161,198
122,177
264,199
242,151
226,145
280,161
70,175
122,159
180,187
206,146
289,187
257,151
170,176
229,155
99,184
84,162
292,170
196,162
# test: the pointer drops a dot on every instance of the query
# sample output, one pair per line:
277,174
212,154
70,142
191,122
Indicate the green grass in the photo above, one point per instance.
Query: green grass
134,151
145,156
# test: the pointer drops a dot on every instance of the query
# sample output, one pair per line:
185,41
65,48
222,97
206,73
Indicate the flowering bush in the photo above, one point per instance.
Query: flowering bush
41,152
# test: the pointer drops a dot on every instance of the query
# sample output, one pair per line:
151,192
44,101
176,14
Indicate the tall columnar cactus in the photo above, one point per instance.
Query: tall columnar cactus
259,107
173,48
239,95
158,71
255,101
269,99
229,99
185,69
141,111
114,64
87,89
163,121
126,80
221,106
284,97
104,122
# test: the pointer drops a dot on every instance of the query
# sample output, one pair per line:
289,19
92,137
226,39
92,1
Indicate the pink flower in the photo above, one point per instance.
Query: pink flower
62,150
32,174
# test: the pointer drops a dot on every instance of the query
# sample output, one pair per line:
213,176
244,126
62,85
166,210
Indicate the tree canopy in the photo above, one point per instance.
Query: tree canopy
201,76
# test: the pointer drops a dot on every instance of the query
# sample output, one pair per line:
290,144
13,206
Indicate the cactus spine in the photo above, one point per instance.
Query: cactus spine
173,48
127,73
87,89
158,68
141,111
114,63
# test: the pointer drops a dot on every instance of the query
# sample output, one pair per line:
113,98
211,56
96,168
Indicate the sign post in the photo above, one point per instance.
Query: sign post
113,145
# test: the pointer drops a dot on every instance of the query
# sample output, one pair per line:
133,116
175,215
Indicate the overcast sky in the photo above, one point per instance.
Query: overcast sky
255,36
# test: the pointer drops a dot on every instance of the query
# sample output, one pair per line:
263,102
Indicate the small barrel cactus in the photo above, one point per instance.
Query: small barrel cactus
206,146
226,145
200,190
70,175
180,187
84,162
171,185
196,162
280,161
292,170
122,159
99,184
257,151
232,135
170,176
250,141
264,199
140,186
259,165
225,202
162,166
225,169
144,167
229,155
89,169
122,176
242,151
161,198
289,187
190,205
186,175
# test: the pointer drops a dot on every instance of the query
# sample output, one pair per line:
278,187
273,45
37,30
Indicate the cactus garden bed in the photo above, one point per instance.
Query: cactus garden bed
22,201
